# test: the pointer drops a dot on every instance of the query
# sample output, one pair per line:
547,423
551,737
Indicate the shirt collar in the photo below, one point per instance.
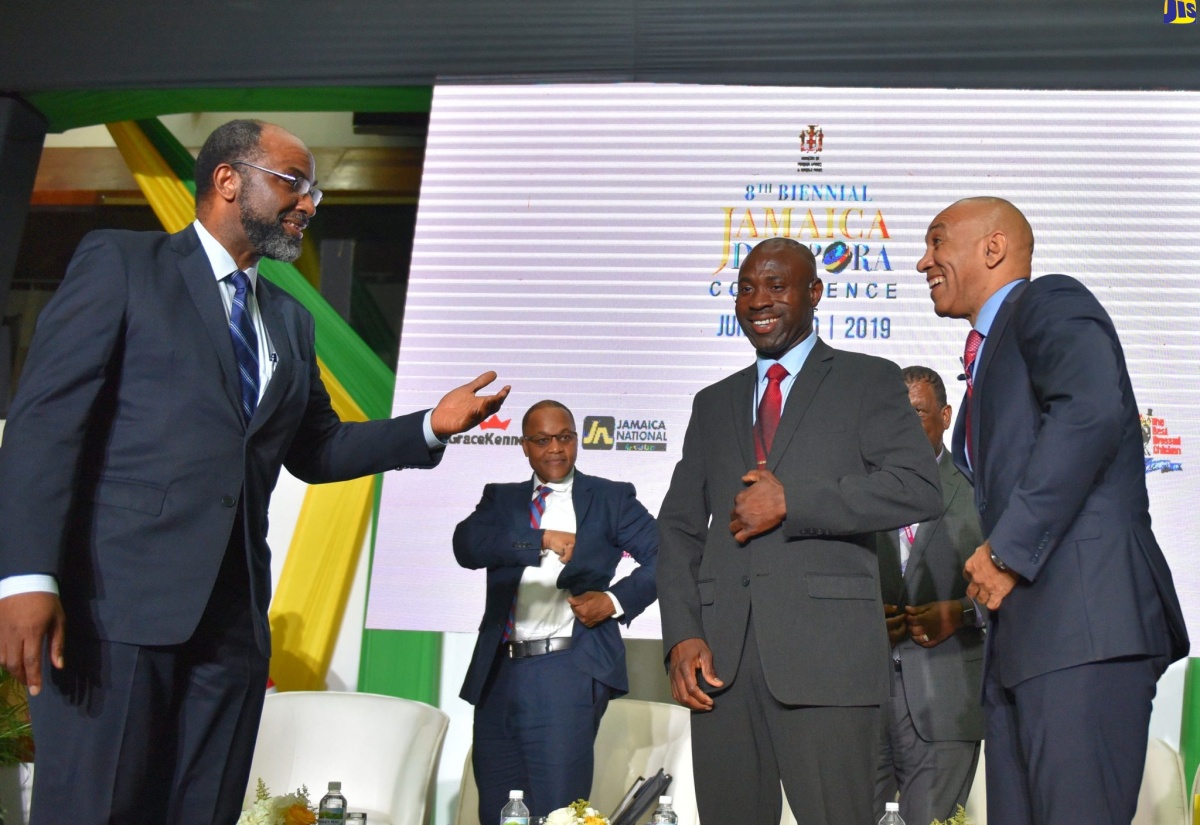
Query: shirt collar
941,452
983,321
563,486
792,360
222,263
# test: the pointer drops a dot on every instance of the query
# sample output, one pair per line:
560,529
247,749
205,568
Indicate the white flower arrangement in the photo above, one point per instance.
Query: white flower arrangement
577,813
286,809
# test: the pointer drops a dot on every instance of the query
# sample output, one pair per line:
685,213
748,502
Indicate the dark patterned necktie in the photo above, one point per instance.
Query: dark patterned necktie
769,410
245,343
537,507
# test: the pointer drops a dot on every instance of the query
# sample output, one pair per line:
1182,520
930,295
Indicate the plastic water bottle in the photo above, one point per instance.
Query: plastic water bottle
891,814
515,812
332,810
664,815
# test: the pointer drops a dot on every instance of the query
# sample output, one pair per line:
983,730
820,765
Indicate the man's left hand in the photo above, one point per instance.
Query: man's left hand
461,409
988,583
591,607
760,507
931,624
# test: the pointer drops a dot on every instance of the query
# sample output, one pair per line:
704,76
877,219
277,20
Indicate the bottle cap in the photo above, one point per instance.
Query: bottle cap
516,794
664,800
335,786
891,806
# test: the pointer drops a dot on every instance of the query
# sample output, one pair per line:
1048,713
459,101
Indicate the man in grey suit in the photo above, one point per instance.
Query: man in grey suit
165,387
813,450
933,722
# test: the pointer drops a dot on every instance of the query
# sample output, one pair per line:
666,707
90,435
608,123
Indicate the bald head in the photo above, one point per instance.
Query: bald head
785,252
973,248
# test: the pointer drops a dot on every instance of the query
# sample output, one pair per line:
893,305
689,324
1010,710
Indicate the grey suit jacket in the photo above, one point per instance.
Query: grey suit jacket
941,683
126,461
853,460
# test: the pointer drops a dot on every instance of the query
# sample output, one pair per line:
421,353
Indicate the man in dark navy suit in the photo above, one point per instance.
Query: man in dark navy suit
549,654
165,387
1083,613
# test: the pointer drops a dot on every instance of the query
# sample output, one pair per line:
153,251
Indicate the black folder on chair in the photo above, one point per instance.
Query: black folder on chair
642,797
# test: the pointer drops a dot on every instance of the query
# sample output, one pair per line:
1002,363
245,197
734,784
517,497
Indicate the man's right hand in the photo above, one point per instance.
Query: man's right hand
560,543
896,624
26,620
687,657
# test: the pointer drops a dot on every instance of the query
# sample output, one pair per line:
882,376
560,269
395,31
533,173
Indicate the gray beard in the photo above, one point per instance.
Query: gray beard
268,238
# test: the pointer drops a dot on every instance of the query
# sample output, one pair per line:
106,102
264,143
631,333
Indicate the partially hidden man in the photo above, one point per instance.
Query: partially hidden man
933,722
549,654
165,387
767,578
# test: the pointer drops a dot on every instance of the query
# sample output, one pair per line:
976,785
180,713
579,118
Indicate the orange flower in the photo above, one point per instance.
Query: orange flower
299,814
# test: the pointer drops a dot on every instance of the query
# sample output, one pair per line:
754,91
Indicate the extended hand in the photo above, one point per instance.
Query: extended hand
591,607
461,409
560,543
760,507
931,624
26,620
687,657
988,583
894,617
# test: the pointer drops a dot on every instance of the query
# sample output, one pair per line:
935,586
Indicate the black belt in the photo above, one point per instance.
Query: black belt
537,647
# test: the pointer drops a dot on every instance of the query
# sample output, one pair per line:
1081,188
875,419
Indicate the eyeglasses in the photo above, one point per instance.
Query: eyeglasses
301,186
564,439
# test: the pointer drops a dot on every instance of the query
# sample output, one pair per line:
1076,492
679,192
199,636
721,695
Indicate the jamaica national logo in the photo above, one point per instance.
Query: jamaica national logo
598,432
635,435
1162,450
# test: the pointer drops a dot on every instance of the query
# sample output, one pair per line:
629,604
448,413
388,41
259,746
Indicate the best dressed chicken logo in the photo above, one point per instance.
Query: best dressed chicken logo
1162,450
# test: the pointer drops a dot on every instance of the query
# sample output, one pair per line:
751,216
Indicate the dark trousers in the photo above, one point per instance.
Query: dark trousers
1069,746
749,742
534,731
131,734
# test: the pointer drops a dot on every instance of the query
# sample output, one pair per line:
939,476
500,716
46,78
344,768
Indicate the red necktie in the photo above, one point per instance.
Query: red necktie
769,410
974,341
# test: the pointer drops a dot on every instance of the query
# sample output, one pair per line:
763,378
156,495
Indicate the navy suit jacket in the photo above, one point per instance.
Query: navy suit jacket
1060,488
126,460
609,520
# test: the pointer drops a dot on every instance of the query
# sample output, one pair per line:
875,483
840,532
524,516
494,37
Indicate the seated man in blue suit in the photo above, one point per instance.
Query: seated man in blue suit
550,655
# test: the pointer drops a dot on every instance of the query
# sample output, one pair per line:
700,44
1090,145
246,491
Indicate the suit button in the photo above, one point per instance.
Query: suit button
228,501
745,581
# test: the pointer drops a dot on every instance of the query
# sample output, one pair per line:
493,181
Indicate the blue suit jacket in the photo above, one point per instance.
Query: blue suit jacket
1060,488
126,460
609,520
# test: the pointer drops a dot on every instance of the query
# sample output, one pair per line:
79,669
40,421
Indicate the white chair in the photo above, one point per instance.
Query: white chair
382,749
1163,798
636,738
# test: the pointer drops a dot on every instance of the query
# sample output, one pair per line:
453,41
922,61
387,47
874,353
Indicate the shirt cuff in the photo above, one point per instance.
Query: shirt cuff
32,583
620,611
431,439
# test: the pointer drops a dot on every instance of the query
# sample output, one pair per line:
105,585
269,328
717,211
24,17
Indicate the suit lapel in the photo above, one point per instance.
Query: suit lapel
581,498
890,578
990,346
202,286
742,399
277,330
800,396
926,529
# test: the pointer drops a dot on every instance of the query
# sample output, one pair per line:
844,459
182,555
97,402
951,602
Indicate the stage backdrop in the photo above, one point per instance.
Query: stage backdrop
583,241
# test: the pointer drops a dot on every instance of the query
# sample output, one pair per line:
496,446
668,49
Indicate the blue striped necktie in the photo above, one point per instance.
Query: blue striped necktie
245,343
537,506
